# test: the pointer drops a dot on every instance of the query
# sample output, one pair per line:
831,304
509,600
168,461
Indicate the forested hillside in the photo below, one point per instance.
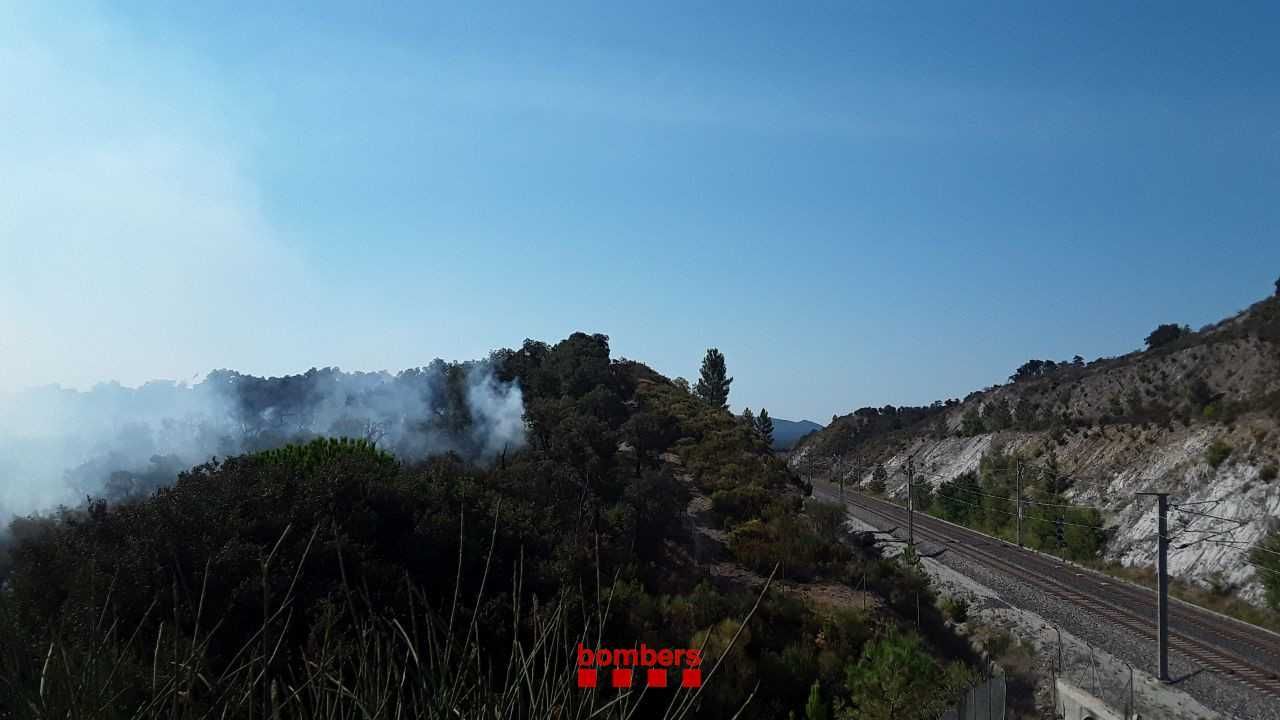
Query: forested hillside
1196,414
349,577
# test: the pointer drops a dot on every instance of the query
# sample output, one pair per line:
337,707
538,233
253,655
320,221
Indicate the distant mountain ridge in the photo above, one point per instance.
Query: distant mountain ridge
787,432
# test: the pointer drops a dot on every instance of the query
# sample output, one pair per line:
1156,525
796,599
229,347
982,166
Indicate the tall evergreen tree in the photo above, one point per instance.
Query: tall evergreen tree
764,424
713,380
749,418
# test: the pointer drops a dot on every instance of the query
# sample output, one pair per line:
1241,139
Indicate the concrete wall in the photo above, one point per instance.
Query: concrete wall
1076,704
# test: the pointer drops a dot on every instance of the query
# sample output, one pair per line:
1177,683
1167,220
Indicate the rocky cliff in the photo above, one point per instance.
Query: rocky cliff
1197,416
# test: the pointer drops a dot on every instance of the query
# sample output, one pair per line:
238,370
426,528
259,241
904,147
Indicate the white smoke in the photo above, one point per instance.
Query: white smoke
58,446
498,410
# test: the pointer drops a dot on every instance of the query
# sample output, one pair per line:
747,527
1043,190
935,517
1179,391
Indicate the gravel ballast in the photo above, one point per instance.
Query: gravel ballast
1097,654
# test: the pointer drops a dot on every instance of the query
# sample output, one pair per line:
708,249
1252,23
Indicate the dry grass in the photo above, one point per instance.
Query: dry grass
358,665
1219,602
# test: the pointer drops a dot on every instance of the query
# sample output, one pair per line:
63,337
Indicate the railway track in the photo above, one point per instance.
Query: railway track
1227,647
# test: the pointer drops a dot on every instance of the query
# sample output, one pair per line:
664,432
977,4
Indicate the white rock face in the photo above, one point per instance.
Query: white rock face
1141,422
1114,464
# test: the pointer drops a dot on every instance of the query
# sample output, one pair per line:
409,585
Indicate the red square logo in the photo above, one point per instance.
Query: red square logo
691,678
586,677
622,677
656,678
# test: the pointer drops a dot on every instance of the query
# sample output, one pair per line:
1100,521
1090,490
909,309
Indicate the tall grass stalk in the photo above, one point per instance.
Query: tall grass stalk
358,664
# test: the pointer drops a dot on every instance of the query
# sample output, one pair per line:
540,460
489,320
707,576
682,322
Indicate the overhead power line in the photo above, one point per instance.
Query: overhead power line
1210,534
1201,502
1253,546
1207,515
1028,517
1246,561
1260,567
1230,544
1025,501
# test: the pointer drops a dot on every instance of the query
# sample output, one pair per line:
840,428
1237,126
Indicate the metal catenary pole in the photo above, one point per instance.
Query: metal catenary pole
1019,474
841,476
911,511
1162,571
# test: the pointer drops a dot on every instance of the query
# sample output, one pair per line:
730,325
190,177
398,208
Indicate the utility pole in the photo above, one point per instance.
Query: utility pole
1019,474
911,510
1162,571
836,468
1163,568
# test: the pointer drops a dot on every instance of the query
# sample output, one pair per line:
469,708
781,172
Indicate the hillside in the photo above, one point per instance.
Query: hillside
787,432
1197,416
425,569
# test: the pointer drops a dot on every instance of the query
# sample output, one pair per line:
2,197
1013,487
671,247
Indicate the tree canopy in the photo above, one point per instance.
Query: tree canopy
713,380
1032,369
246,567
764,426
1165,334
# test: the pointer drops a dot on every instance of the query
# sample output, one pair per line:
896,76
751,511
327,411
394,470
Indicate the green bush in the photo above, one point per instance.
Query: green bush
956,609
879,477
971,422
895,679
815,708
739,504
983,500
1266,555
1268,472
1217,453
828,519
790,544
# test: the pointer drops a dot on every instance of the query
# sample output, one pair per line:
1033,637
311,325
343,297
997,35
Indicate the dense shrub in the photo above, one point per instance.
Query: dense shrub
1166,334
1266,555
334,568
956,609
1217,453
896,679
828,519
879,477
739,504
986,500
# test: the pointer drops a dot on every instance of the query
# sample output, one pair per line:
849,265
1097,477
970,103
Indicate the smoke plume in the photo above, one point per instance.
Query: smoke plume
58,446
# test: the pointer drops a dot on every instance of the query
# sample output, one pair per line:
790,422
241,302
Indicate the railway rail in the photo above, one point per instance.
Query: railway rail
1238,651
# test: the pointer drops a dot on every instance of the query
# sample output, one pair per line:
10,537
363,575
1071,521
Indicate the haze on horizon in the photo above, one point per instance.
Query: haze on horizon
859,206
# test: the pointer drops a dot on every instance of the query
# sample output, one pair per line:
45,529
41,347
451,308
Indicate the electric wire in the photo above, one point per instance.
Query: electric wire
1025,501
1025,517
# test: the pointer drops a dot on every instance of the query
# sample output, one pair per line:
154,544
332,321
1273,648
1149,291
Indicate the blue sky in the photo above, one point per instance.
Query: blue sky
858,203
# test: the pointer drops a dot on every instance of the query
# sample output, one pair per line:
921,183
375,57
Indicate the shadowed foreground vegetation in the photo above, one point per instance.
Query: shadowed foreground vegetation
333,580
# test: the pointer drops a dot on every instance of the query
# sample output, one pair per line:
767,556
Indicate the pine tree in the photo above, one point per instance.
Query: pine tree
748,418
764,425
713,381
